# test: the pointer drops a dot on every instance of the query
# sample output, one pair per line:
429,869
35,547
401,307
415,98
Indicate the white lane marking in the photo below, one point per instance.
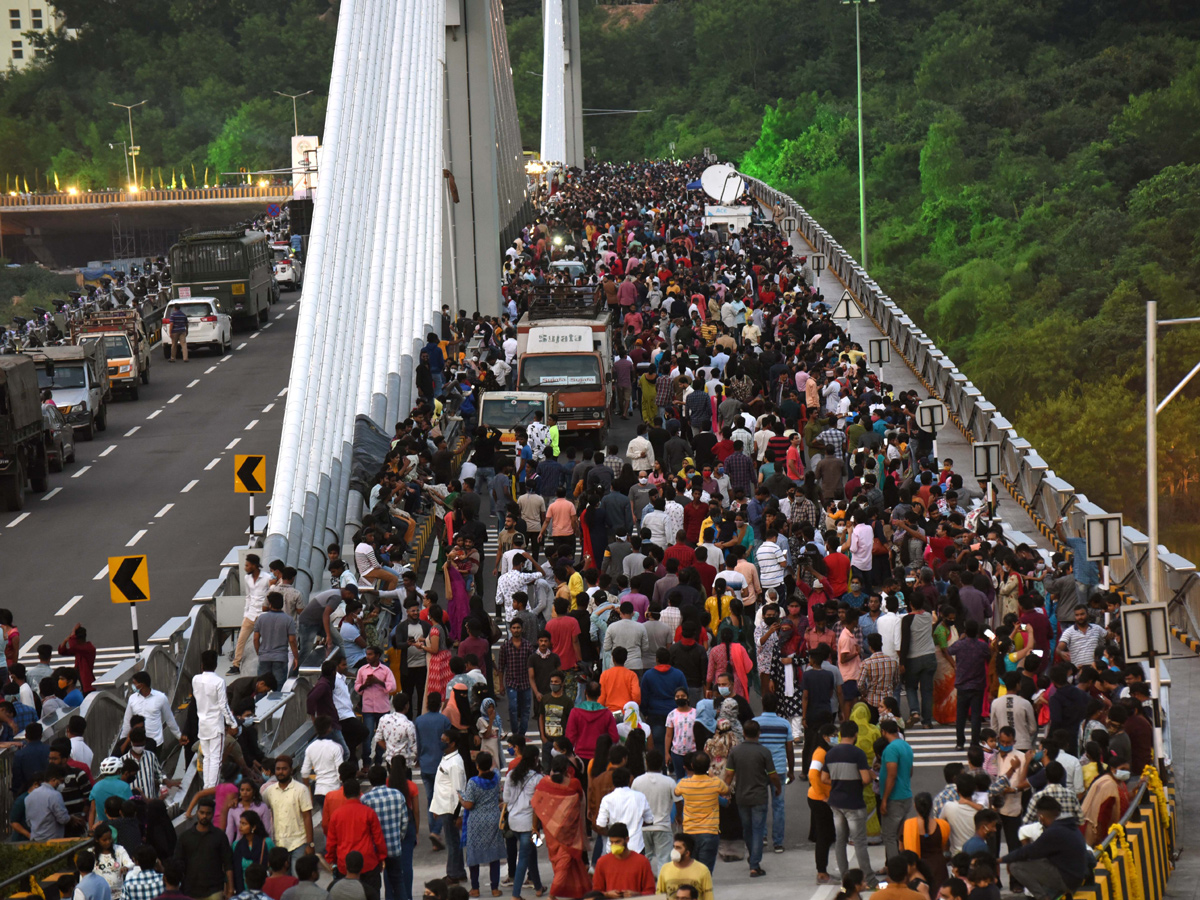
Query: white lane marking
253,422
233,443
51,494
268,407
210,370
162,512
176,397
229,355
242,345
18,520
268,325
293,306
30,644
212,465
256,334
109,449
194,383
155,414
137,537
102,574
131,431
281,393
66,607
191,484
281,315
81,471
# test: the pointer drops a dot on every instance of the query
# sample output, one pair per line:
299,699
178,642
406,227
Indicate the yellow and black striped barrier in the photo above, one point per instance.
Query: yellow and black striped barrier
1136,859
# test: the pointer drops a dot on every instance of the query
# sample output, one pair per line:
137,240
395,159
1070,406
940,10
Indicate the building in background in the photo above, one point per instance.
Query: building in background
23,17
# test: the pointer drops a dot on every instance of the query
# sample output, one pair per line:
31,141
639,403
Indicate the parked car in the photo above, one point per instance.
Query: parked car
60,438
207,325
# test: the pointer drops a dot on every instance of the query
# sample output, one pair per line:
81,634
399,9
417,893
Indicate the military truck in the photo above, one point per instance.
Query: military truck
22,443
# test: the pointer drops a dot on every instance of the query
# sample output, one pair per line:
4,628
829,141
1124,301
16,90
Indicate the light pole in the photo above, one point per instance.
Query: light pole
125,153
862,177
1153,408
295,115
133,148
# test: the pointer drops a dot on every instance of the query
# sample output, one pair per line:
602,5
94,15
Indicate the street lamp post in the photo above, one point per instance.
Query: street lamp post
133,148
125,153
295,115
862,176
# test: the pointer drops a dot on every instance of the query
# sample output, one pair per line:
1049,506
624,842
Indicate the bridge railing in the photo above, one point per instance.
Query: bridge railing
158,195
1024,473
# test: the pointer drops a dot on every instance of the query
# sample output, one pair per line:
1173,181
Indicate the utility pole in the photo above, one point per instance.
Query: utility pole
295,115
134,149
862,176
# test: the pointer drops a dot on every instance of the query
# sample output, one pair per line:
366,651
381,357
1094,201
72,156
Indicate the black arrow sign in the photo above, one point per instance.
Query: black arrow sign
245,474
123,580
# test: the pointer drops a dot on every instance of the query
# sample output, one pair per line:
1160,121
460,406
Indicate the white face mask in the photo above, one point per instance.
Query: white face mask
554,751
1121,774
676,856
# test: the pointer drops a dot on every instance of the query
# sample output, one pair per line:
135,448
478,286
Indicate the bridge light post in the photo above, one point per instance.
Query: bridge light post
295,115
125,153
862,178
133,148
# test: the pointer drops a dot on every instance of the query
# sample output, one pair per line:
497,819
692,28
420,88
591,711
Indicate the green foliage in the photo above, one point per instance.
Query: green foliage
18,858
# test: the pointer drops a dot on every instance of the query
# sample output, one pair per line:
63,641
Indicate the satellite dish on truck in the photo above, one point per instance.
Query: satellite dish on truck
722,183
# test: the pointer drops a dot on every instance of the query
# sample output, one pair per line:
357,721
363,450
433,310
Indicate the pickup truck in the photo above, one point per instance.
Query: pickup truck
77,378
22,439
126,347
506,411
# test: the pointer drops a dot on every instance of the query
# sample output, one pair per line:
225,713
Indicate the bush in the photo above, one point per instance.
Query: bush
34,858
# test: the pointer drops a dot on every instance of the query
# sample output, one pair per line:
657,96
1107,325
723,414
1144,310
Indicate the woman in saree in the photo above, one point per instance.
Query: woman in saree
868,734
559,807
437,649
594,524
1106,800
945,697
458,605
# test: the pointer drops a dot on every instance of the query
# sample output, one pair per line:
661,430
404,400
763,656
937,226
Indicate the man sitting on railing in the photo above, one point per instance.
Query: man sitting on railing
1057,862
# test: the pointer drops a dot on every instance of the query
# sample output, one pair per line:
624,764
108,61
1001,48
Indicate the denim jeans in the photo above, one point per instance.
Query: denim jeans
891,823
754,831
278,669
678,767
919,673
706,849
454,850
970,702
527,863
493,872
435,822
520,701
658,729
369,751
778,807
851,825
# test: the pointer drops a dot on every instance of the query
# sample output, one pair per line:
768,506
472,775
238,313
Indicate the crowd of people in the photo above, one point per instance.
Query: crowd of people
773,580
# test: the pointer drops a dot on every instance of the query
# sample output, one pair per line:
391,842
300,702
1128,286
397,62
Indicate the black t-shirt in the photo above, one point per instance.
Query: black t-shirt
644,583
703,444
658,438
556,710
485,451
543,668
820,686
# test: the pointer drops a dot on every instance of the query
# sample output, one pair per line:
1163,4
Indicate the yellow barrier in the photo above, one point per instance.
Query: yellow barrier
1134,863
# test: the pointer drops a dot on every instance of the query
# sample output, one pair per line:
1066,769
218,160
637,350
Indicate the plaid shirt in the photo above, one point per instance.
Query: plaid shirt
616,463
740,471
878,678
945,795
514,663
25,715
664,390
1066,799
804,512
150,773
835,439
390,806
142,884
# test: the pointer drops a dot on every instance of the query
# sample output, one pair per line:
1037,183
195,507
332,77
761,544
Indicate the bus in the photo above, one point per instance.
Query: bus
234,267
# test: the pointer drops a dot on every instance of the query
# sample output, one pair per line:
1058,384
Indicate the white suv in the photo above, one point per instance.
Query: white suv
207,325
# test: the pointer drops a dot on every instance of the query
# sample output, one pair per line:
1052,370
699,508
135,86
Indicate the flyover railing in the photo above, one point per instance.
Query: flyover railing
154,195
1039,490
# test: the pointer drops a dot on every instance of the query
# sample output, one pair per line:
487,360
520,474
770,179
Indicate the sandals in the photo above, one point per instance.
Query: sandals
757,873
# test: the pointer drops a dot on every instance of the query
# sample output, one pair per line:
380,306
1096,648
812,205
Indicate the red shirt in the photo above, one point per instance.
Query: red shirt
694,515
628,872
85,659
682,552
563,630
708,574
838,566
277,884
354,827
722,449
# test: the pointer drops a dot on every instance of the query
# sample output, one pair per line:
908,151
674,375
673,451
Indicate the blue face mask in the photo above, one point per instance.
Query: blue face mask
1037,757
1005,748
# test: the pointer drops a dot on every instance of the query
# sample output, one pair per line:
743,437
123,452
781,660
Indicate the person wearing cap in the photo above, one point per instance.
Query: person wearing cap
112,783
622,872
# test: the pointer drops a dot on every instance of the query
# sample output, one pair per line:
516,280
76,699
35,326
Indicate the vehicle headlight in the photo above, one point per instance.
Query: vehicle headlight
82,407
123,369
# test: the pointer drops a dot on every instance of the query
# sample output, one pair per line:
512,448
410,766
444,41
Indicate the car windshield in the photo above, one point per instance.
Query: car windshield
64,377
116,346
192,310
552,370
506,414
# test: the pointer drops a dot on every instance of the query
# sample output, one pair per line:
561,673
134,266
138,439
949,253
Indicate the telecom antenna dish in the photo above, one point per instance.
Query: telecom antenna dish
722,183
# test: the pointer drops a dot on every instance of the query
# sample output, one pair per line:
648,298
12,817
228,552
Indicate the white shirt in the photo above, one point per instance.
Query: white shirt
510,350
659,791
626,805
156,709
81,752
888,625
256,595
448,783
641,454
212,705
862,539
1073,770
321,760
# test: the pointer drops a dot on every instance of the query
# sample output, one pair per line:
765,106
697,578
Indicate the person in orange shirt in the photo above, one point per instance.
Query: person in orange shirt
897,886
619,685
820,829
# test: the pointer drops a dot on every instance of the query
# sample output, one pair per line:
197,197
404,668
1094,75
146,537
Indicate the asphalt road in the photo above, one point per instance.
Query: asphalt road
158,482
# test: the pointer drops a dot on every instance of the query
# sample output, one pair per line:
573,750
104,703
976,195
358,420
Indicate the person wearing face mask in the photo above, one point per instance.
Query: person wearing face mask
622,872
684,871
150,773
1107,799
448,785
1012,765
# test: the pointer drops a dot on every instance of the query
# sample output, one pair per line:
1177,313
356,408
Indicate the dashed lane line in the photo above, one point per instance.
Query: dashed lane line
30,644
194,382
233,443
256,334
155,414
137,537
191,484
109,449
176,397
212,465
51,494
241,346
281,393
229,356
81,471
102,574
18,520
133,430
210,370
66,607
253,422
162,512
290,308
268,407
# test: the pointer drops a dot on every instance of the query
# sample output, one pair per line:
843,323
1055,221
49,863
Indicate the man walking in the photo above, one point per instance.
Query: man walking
754,767
206,856
392,810
846,771
970,654
257,584
896,802
179,328
448,785
775,733
154,707
213,716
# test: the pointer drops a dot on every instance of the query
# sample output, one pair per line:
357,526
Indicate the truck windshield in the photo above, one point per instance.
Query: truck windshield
568,370
506,415
64,377
116,346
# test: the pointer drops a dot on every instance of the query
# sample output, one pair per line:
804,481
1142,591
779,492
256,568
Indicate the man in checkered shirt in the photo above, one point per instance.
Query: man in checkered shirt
392,809
143,883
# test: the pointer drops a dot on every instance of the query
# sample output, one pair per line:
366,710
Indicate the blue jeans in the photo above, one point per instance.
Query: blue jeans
371,721
435,822
527,862
754,831
520,700
678,768
778,808
439,382
493,872
397,877
278,669
306,638
658,729
919,673
706,849
454,850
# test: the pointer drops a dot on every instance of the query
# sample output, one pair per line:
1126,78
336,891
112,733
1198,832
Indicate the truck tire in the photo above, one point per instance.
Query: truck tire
39,473
264,314
89,430
12,489
146,372
102,419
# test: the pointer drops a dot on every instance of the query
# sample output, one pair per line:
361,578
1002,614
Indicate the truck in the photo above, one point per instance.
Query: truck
22,437
125,344
77,378
508,410
564,346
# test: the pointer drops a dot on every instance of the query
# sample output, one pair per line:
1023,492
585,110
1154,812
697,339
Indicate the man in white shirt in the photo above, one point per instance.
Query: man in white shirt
659,791
257,584
448,784
321,761
888,625
627,806
154,707
639,451
862,539
213,714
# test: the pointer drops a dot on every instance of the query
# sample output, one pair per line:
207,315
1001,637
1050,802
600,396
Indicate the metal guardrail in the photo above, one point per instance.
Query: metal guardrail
101,198
1023,471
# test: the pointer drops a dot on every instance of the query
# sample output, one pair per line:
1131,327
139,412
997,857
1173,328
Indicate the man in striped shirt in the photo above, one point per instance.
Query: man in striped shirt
772,561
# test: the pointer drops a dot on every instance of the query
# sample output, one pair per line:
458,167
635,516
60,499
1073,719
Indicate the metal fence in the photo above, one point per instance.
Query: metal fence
92,198
1043,493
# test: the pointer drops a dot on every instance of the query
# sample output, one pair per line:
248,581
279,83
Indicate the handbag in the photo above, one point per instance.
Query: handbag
508,833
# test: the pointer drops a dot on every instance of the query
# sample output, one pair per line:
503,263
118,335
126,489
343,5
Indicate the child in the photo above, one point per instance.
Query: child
982,783
891,711
988,737
987,822
982,879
